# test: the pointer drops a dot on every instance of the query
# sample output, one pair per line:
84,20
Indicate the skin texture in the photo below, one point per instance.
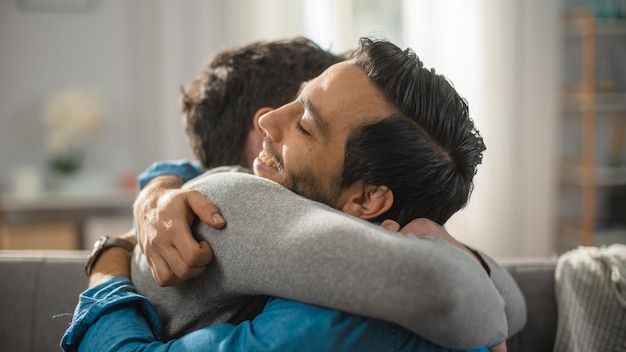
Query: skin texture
305,140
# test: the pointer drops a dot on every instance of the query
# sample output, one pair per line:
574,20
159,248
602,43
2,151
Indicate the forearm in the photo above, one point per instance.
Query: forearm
443,296
114,296
308,252
111,317
514,302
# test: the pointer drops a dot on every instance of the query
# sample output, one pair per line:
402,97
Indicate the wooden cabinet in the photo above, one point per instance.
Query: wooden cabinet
593,138
57,220
51,235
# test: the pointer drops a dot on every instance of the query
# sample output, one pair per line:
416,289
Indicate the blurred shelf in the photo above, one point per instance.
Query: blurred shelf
591,99
603,177
66,201
571,235
574,102
602,27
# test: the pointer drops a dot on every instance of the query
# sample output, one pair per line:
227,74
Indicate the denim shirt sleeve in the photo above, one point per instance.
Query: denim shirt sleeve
184,169
112,317
114,297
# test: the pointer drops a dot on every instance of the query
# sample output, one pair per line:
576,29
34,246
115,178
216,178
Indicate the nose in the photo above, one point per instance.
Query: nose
275,122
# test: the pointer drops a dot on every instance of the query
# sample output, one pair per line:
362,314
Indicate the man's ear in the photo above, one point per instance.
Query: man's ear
367,202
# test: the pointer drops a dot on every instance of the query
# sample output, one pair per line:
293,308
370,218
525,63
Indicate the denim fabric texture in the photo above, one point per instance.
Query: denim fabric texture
184,169
112,317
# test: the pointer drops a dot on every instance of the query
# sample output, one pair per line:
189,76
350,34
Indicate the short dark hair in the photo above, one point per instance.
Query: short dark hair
428,152
219,104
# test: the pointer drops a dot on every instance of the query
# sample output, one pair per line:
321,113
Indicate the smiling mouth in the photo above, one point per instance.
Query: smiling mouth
267,159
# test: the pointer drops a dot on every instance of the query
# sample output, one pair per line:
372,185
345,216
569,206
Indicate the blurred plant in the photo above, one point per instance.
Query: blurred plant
73,117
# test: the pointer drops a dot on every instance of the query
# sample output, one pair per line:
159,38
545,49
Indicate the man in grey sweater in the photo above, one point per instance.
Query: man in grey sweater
270,285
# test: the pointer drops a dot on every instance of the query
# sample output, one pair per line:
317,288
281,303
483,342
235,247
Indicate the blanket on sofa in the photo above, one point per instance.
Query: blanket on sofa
591,298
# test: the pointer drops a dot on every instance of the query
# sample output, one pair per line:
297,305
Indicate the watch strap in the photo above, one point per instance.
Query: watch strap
102,244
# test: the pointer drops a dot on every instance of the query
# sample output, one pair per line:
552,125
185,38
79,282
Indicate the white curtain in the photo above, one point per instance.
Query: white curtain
502,56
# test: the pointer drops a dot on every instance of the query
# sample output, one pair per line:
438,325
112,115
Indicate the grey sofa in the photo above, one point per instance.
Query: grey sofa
39,290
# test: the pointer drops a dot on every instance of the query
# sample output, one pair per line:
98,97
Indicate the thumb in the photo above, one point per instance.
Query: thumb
390,225
208,212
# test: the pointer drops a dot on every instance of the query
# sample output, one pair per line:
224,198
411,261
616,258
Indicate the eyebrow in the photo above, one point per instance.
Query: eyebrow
315,114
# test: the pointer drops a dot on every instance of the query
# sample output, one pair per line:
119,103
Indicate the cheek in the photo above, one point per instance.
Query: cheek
297,150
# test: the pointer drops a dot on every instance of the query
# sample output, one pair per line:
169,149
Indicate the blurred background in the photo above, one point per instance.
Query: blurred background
545,81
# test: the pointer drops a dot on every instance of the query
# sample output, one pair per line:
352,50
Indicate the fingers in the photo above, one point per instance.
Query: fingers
189,252
170,268
422,227
163,218
208,212
161,271
180,259
418,227
390,225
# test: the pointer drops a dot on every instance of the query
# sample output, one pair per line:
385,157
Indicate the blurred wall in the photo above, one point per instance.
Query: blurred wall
136,53
501,55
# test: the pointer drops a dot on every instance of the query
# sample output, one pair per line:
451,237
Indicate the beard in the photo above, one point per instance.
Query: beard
305,184
305,181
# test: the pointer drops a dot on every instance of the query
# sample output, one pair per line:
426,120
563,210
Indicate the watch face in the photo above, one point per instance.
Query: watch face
99,243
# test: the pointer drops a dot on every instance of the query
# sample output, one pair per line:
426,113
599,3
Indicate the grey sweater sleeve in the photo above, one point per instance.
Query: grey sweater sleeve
515,304
279,244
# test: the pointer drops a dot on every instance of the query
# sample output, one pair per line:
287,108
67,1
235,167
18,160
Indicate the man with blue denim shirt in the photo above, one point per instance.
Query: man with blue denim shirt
269,164
132,324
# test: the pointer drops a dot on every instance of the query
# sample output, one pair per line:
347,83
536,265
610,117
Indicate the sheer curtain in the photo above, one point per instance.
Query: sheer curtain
503,57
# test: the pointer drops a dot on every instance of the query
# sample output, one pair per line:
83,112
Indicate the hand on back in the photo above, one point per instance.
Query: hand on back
426,227
163,215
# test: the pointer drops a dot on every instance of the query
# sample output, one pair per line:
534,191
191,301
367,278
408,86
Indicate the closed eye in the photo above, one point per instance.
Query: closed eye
302,130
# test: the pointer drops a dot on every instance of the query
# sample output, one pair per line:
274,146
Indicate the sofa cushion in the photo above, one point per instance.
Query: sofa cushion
535,278
39,291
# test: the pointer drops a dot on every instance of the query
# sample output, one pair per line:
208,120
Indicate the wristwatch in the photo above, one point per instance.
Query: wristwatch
102,244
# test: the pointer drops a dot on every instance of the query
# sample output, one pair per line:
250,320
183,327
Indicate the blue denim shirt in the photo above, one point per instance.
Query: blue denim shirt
184,169
112,317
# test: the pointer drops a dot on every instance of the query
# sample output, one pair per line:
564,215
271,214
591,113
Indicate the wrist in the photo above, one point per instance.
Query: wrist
105,244
115,261
166,182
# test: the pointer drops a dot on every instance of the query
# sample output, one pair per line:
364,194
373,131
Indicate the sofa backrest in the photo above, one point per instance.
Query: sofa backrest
535,278
38,293
39,290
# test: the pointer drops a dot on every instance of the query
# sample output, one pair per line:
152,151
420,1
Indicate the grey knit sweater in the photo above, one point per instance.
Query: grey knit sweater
280,244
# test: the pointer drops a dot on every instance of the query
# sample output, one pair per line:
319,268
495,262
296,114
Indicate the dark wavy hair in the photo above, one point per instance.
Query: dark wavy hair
219,104
428,152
